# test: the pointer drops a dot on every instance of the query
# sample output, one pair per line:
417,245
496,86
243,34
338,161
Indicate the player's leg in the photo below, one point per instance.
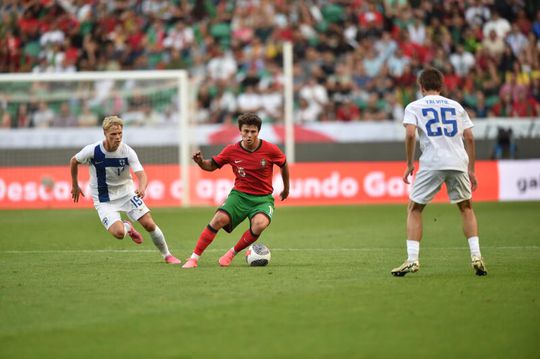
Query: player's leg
135,208
259,211
414,236
426,185
220,220
119,229
158,238
459,191
414,230
258,224
470,229
111,220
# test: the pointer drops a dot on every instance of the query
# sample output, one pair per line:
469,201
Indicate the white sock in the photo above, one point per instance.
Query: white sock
195,256
413,248
159,241
234,252
474,246
127,228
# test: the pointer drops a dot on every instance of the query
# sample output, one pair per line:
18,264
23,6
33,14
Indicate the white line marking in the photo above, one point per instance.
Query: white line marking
273,249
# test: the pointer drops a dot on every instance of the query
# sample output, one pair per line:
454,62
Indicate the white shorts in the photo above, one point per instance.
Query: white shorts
428,183
108,212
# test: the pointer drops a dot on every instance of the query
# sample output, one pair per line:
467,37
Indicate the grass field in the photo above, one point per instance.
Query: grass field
69,290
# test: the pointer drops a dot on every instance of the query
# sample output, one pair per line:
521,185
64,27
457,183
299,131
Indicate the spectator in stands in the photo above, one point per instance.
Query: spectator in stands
477,13
373,62
316,96
417,31
462,61
394,109
493,45
386,46
525,105
239,42
179,38
516,40
222,65
497,23
535,89
43,117
65,118
249,100
5,117
304,113
512,85
223,105
507,61
347,111
479,107
87,118
374,110
503,108
272,103
536,25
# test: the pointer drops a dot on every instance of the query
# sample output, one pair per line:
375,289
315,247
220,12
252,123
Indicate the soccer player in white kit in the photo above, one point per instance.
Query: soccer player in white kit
112,187
448,155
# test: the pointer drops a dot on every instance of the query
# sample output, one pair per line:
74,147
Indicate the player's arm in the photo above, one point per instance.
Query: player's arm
410,146
207,165
468,139
75,189
285,177
143,182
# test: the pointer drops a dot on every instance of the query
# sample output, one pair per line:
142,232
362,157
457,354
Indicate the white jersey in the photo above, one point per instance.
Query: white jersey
440,123
110,177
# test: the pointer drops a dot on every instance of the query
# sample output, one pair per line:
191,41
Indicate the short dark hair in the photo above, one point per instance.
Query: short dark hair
250,119
431,79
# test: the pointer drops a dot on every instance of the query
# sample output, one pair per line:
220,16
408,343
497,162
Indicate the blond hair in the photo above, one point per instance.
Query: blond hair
110,121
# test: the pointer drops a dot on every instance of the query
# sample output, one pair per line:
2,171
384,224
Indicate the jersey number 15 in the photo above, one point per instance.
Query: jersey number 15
448,118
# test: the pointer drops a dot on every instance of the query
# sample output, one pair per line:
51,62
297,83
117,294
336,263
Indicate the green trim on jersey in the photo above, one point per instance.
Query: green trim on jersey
239,205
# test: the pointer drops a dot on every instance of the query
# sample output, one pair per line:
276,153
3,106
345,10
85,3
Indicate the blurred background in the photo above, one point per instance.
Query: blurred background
355,65
354,60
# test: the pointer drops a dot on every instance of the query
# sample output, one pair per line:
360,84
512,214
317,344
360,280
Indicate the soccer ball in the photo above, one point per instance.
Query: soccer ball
258,255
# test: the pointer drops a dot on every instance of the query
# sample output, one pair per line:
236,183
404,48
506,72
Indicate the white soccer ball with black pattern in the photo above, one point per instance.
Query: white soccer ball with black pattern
258,255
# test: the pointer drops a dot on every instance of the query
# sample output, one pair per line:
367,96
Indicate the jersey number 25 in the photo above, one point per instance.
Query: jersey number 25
448,118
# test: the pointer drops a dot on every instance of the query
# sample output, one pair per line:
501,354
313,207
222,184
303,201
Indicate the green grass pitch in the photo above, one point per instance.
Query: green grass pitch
70,290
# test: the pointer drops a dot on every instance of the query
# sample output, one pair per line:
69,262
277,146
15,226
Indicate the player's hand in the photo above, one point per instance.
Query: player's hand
474,182
75,192
140,192
197,157
408,172
284,194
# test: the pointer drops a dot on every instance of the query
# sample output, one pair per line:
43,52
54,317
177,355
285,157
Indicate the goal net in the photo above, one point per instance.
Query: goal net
47,118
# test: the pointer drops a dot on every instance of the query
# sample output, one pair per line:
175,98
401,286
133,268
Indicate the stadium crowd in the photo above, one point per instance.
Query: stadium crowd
354,60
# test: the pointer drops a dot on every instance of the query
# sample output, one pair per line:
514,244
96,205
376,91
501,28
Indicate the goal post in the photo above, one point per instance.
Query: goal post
162,95
288,101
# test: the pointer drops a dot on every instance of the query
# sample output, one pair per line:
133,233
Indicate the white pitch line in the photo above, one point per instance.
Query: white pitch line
223,249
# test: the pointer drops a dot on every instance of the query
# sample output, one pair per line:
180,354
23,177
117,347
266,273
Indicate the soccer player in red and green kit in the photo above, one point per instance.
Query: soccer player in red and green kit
252,160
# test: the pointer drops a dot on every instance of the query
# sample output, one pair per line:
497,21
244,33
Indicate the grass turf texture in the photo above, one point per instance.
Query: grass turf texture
70,290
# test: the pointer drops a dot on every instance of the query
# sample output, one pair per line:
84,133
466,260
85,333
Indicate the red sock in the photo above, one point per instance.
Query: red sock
247,238
207,236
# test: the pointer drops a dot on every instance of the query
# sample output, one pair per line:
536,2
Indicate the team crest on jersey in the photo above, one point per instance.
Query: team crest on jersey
122,162
263,163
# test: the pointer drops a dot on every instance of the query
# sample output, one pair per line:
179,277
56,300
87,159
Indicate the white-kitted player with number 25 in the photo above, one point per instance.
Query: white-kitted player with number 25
448,155
112,187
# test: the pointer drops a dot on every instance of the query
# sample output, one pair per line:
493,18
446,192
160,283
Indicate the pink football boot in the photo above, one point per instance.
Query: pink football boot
135,236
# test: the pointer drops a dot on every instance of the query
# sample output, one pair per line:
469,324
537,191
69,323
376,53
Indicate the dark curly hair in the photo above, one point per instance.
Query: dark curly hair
250,119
